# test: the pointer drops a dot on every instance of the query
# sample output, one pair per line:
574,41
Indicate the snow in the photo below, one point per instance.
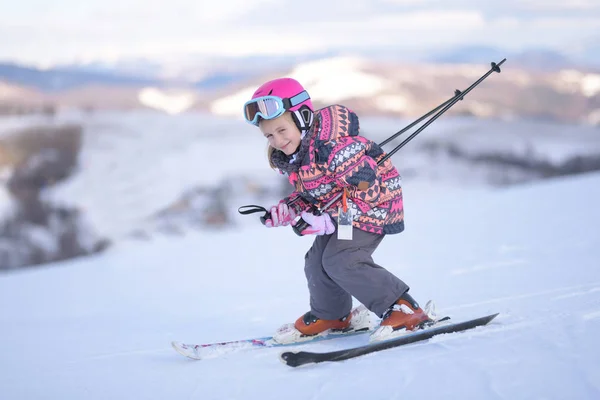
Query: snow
100,327
576,81
7,204
553,142
339,78
230,105
594,117
135,164
11,123
172,102
7,90
328,80
396,103
42,237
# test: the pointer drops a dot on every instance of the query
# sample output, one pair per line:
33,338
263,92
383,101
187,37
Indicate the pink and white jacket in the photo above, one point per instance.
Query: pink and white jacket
333,156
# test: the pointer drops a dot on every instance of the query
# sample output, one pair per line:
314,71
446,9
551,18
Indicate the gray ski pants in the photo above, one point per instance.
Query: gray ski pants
337,270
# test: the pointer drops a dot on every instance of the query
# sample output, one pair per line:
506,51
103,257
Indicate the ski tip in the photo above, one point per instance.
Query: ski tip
177,345
184,350
289,358
284,357
489,318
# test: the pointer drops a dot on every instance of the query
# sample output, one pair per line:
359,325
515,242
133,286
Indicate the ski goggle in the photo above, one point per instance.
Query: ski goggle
271,107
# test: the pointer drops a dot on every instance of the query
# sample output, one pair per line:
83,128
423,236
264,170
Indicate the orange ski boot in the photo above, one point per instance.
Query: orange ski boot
404,314
310,325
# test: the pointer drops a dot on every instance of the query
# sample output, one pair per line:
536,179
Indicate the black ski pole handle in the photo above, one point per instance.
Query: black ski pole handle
251,209
299,226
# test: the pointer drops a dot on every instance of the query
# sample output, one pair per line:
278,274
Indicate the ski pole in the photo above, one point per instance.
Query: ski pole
407,127
495,68
301,224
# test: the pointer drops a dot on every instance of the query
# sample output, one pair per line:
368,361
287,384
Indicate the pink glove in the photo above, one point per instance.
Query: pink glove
281,215
319,224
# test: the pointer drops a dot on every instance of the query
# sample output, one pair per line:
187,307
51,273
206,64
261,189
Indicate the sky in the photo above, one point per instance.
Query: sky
46,33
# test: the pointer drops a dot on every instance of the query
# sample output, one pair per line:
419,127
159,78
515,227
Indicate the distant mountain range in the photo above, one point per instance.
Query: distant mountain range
64,78
536,59
540,84
211,74
70,77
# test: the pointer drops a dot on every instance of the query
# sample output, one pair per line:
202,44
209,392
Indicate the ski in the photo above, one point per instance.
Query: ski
287,335
213,350
296,359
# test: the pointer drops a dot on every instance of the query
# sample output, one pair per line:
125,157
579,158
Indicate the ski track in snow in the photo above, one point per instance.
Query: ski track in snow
483,267
502,324
576,288
592,315
122,354
577,294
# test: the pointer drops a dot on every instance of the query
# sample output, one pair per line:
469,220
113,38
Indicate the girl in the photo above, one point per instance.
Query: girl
323,155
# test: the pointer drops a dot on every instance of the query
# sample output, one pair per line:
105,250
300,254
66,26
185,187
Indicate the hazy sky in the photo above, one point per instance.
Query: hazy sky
46,31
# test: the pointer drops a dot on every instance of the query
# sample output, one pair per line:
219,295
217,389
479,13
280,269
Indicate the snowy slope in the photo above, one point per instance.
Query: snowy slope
100,328
134,164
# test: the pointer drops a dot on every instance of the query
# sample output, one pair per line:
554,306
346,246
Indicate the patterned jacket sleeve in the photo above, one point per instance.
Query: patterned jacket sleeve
352,164
296,202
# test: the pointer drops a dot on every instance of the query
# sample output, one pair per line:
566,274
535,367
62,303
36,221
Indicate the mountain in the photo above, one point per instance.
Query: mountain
468,55
219,80
412,89
546,60
65,78
202,71
195,68
585,52
368,85
538,59
208,73
138,67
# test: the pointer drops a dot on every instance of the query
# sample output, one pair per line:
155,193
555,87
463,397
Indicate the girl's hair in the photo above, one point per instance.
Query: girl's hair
270,151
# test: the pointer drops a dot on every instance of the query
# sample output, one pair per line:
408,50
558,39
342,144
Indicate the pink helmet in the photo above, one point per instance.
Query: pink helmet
292,97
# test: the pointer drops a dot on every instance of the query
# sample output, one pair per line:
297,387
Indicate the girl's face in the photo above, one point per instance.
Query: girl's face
282,133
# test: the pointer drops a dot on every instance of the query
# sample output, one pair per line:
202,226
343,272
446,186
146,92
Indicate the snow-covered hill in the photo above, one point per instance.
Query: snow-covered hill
99,328
411,89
